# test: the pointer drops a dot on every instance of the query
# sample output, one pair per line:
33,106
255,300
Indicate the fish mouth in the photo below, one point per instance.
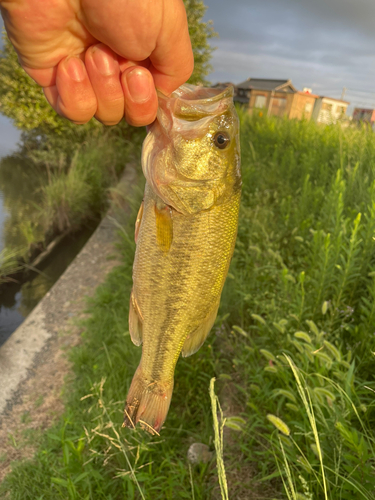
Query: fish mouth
199,93
192,103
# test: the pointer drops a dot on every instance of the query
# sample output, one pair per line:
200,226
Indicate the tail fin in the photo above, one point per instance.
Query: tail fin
147,403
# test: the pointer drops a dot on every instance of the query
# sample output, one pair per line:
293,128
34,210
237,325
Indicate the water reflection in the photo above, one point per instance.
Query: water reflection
17,301
33,291
10,318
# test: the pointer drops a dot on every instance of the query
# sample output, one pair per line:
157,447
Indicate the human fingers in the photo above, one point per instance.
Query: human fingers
104,73
141,102
173,59
45,77
157,30
44,33
72,96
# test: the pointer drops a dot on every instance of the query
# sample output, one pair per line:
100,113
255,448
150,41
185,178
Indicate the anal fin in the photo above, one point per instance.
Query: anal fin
195,340
135,321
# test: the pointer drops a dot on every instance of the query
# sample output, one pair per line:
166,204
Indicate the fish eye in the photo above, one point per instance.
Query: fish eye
221,140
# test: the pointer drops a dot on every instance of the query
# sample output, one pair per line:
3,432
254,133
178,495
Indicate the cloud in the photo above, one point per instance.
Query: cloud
323,44
317,14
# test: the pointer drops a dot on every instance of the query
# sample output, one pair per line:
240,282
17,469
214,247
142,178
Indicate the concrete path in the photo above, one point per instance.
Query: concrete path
26,348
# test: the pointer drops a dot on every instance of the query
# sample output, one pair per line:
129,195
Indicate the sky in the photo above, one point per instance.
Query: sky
324,45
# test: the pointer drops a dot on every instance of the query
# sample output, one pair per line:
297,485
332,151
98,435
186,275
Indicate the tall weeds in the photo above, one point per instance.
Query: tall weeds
303,287
9,264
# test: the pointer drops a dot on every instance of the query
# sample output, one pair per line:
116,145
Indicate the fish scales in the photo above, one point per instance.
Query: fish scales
185,240
195,272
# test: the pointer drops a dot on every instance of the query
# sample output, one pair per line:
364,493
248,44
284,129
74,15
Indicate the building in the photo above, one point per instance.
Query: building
364,115
303,104
275,97
329,110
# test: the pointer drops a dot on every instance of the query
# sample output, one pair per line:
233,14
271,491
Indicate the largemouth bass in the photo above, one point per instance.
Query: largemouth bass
185,235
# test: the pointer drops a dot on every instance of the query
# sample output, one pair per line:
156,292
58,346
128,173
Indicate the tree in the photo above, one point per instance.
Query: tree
200,34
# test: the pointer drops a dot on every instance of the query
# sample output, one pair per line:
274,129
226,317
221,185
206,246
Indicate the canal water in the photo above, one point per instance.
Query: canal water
20,195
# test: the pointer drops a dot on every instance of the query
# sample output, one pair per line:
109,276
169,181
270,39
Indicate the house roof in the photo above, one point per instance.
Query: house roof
334,99
265,84
307,94
363,110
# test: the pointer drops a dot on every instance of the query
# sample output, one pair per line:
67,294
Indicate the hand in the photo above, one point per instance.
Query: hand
102,58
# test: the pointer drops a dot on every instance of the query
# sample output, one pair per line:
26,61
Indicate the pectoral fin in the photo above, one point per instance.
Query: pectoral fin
164,226
135,321
195,340
138,221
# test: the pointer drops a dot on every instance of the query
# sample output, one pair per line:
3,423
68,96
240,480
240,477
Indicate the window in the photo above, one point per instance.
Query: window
326,106
278,106
341,110
308,107
279,102
260,101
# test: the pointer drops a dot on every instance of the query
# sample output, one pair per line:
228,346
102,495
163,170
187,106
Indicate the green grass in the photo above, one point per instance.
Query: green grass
294,339
80,192
9,264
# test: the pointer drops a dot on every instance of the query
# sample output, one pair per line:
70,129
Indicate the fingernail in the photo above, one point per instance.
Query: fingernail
76,69
140,84
104,63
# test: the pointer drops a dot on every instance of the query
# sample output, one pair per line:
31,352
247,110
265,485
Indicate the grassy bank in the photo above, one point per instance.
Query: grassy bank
80,192
292,348
71,191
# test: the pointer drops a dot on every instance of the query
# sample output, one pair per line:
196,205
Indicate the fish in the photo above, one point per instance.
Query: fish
185,234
